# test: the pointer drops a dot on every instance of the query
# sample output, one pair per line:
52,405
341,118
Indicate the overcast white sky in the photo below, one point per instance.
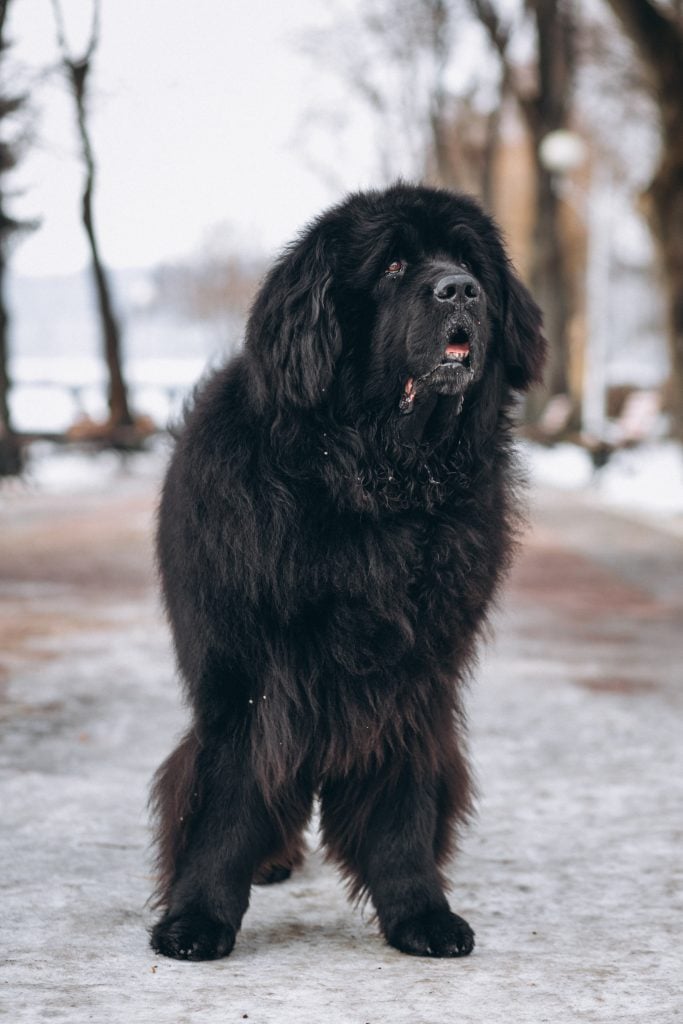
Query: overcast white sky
198,112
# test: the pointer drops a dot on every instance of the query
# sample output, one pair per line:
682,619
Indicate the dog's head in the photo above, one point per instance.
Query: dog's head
392,298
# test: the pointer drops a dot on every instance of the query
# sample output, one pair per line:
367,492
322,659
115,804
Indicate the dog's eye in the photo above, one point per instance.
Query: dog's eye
395,268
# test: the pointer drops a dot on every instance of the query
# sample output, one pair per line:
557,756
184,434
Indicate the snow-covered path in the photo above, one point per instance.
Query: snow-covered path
571,875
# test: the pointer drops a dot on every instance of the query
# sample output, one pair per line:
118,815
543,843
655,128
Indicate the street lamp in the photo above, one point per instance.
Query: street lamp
562,151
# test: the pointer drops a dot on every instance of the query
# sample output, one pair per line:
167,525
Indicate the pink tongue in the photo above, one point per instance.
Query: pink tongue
457,350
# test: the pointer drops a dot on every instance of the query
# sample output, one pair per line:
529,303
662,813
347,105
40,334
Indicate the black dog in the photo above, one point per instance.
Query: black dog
336,517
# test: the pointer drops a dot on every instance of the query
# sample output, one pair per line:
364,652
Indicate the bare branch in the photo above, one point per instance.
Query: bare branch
3,11
93,41
498,33
499,36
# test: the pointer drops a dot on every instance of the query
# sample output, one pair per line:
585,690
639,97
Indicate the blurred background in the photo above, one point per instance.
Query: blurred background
155,157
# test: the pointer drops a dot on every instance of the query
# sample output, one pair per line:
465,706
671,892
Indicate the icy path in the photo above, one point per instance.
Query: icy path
570,876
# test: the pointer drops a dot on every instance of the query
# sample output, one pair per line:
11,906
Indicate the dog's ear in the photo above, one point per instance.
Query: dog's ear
293,333
524,345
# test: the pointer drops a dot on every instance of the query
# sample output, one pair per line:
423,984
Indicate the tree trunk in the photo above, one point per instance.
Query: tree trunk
443,160
544,108
77,72
491,149
10,451
551,287
119,411
658,39
551,280
666,219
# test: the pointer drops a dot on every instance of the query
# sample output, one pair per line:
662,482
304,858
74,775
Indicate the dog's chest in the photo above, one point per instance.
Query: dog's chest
423,552
398,587
395,558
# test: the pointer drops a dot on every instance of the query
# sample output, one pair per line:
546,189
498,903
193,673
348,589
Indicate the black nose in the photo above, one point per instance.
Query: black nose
456,288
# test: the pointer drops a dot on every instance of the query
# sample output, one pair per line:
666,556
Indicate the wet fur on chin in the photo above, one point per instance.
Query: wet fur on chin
327,565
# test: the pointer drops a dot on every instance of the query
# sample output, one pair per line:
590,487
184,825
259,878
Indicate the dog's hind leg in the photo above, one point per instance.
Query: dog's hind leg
279,866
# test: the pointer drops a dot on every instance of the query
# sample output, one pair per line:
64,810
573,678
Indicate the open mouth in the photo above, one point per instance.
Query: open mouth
454,371
457,347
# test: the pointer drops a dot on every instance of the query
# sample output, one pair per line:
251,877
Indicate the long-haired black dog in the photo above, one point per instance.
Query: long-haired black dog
336,517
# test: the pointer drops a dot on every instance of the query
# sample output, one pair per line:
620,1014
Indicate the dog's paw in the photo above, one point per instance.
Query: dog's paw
192,936
433,933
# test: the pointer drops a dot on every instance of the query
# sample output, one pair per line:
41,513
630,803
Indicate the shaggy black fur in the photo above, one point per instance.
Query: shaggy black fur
335,520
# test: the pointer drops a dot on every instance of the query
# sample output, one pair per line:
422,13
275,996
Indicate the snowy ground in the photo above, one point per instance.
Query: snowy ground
645,481
571,875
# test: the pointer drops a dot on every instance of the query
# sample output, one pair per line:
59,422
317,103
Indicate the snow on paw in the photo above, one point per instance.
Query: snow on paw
192,936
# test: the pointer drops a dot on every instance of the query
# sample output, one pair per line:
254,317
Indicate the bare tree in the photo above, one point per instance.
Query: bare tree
544,98
657,34
77,71
10,450
395,56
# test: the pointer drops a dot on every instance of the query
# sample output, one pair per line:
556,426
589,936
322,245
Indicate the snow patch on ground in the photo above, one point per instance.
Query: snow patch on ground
649,479
55,469
565,465
646,480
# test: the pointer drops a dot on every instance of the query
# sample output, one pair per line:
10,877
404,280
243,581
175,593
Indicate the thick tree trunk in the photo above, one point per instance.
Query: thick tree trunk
545,109
658,39
550,286
666,218
551,281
